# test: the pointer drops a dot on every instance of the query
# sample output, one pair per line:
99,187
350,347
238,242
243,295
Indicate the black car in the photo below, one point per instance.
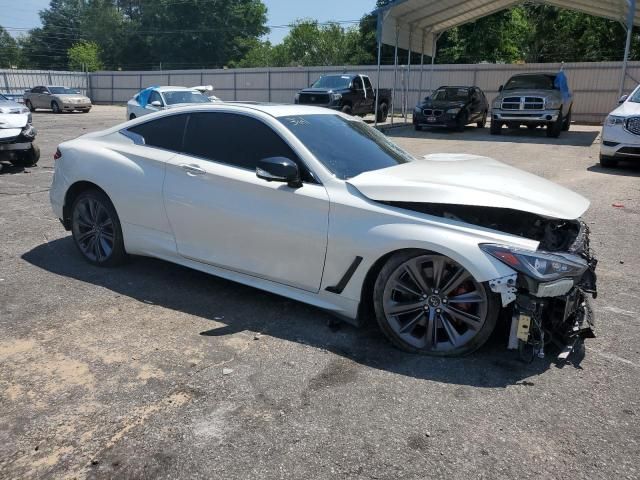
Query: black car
351,93
452,107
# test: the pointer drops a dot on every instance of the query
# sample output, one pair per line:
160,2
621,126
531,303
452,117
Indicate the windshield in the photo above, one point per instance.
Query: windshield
531,82
451,94
635,98
64,91
184,96
338,82
346,147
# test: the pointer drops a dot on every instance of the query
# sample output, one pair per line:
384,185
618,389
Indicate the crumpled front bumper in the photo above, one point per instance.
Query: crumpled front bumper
556,313
21,141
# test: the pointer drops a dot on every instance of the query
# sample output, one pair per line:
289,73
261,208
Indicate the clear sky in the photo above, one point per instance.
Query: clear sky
24,13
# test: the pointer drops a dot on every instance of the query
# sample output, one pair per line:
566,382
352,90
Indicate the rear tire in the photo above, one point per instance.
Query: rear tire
496,127
96,229
132,116
608,162
347,110
383,112
28,158
418,128
419,318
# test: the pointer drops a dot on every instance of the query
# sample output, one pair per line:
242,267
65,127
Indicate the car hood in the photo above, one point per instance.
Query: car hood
323,90
531,93
13,120
627,109
470,180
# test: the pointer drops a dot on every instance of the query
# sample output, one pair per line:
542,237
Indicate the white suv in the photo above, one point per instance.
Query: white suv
621,132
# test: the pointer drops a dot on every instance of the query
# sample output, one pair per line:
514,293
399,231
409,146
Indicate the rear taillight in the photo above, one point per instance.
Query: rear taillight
57,155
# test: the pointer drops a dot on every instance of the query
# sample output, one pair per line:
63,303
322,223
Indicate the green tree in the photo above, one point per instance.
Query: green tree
85,56
9,50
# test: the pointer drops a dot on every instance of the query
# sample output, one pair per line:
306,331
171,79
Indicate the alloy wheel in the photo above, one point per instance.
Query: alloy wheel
434,304
93,229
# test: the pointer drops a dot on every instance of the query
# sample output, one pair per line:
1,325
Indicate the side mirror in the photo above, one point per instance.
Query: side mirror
500,88
623,98
156,103
47,93
279,169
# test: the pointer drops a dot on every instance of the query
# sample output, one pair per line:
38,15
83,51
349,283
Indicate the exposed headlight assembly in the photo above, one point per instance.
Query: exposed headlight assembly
541,266
497,103
614,120
453,111
336,96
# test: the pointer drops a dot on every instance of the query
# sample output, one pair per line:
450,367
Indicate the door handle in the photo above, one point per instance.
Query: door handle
192,169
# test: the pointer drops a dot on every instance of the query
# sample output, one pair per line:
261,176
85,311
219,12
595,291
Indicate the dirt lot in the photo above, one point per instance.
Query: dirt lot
123,373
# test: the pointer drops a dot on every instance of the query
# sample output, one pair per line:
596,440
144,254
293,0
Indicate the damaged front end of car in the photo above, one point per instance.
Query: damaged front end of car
547,299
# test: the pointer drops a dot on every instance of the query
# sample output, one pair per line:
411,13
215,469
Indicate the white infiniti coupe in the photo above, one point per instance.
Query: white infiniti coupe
319,207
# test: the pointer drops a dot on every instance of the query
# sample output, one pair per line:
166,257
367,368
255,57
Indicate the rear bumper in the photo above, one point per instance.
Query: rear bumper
536,116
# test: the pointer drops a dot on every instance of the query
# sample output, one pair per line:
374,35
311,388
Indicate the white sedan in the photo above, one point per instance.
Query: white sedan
621,132
319,207
155,99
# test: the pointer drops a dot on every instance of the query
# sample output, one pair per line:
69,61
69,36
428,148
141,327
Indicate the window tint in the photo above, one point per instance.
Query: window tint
165,132
236,140
367,83
357,83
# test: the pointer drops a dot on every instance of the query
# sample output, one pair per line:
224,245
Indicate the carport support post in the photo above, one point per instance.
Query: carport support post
421,67
433,61
630,17
408,85
395,76
378,82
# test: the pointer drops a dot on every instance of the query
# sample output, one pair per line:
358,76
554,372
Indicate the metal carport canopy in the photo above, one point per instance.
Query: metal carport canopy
415,25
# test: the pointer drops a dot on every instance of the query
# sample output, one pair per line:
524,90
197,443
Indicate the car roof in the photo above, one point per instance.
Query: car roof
273,109
169,88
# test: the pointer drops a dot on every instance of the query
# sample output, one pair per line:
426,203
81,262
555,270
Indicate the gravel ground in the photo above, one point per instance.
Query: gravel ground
156,371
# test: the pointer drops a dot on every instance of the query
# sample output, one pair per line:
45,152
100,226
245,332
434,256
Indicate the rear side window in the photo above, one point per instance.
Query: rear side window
165,132
236,140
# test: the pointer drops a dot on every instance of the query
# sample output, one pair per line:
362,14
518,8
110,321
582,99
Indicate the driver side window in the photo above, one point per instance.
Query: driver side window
155,97
357,83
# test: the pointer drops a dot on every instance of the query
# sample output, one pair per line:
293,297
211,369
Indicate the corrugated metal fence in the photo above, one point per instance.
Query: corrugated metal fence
17,81
595,85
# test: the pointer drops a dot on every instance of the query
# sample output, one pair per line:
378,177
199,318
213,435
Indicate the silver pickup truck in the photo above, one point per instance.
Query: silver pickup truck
533,99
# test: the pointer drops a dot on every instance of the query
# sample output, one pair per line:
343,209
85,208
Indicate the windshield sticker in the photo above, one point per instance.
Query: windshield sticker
297,121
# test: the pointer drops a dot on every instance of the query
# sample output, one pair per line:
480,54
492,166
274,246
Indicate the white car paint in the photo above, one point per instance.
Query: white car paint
137,110
437,179
11,124
294,242
614,131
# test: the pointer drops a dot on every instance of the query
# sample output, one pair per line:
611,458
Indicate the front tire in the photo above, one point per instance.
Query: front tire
462,121
29,105
347,110
554,129
608,162
55,107
96,229
567,122
429,304
28,158
496,127
482,123
132,116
